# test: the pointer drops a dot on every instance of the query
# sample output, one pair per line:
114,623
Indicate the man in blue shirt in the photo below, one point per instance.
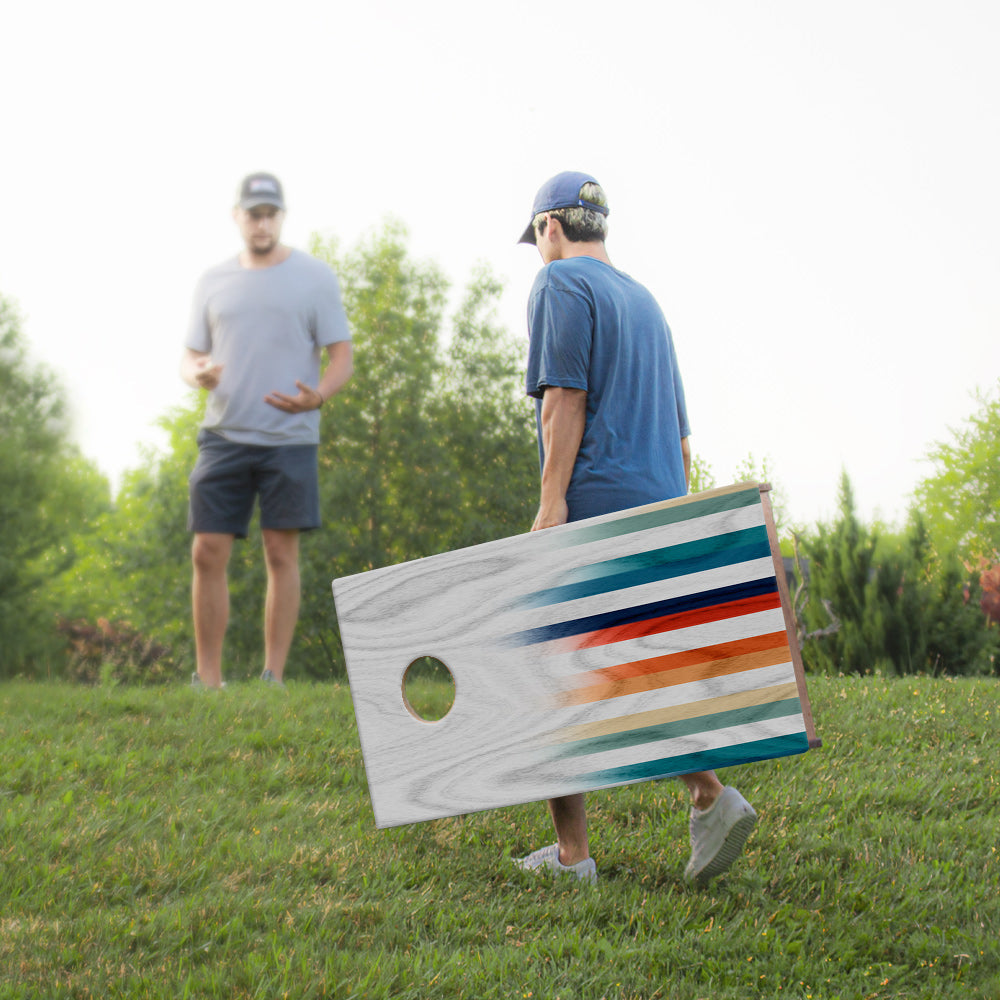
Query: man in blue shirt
612,434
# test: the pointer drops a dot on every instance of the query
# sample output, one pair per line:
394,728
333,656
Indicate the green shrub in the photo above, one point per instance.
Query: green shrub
896,602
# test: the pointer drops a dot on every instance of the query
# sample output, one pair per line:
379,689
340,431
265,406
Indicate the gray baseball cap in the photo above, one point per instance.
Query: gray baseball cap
261,189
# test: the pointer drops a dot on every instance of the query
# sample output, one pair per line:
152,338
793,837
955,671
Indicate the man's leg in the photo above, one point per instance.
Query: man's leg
569,814
570,855
704,787
569,817
281,612
210,602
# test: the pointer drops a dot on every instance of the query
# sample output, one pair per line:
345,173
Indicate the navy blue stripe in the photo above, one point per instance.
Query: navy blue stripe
644,612
702,760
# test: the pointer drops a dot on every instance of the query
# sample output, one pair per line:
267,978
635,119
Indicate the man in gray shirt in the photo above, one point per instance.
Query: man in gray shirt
259,324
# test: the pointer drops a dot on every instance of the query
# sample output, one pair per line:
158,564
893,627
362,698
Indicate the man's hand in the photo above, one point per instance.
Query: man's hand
206,373
306,399
550,514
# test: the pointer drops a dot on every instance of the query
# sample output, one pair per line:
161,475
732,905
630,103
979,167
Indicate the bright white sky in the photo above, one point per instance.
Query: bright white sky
812,191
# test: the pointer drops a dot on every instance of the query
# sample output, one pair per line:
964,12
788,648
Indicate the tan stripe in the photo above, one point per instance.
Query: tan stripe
674,713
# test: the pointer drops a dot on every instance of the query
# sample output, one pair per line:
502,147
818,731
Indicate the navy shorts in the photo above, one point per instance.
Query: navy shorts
229,476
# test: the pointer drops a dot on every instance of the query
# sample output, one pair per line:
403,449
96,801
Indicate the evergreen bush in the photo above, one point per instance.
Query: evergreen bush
901,606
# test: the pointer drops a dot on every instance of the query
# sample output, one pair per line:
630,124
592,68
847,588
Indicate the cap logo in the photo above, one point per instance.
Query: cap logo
262,184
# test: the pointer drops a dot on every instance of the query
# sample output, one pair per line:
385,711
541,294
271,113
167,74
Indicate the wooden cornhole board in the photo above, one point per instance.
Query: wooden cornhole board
643,644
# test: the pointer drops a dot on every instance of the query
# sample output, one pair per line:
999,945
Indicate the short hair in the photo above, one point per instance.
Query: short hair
579,223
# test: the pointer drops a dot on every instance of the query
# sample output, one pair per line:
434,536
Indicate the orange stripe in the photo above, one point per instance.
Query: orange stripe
668,623
689,657
635,683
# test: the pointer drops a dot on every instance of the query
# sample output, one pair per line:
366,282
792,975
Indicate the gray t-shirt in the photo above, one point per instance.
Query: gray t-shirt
266,327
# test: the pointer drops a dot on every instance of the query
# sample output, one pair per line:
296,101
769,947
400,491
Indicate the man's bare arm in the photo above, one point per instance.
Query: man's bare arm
564,417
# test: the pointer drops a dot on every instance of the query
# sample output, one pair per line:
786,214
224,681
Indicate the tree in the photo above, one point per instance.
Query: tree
50,493
489,423
961,500
429,447
703,478
133,567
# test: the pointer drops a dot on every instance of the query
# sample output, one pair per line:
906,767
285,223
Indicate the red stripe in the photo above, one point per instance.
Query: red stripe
669,623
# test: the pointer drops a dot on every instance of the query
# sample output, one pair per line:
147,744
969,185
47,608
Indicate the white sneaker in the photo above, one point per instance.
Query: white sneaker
718,835
548,858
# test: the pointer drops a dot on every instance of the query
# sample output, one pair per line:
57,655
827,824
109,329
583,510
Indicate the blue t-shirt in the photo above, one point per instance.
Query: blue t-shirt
592,327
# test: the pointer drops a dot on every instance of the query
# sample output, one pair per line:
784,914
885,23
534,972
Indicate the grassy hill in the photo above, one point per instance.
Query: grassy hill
173,843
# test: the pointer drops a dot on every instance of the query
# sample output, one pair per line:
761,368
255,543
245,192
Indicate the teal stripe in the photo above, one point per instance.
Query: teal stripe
667,563
681,727
694,549
703,760
657,518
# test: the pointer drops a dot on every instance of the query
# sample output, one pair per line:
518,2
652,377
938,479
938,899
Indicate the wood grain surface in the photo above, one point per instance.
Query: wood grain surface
642,644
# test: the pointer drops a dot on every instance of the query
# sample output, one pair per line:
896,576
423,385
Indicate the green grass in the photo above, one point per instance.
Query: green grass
171,843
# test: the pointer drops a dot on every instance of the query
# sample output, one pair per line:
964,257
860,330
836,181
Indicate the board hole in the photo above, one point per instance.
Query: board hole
428,689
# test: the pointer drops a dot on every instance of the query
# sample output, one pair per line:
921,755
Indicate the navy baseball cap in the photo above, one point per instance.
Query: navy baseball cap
261,189
561,191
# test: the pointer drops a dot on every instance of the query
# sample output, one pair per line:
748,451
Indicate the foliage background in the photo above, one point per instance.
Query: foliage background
903,607
47,489
431,447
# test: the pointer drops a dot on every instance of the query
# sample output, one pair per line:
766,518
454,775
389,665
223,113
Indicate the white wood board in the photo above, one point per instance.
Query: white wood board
642,644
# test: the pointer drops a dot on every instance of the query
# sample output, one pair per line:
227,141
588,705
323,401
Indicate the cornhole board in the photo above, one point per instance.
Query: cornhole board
644,644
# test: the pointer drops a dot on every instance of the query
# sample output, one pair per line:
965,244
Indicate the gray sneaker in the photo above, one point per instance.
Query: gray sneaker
196,682
268,678
718,835
547,858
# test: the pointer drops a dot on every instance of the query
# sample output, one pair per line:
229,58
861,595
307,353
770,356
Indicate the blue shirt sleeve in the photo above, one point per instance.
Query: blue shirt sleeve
560,326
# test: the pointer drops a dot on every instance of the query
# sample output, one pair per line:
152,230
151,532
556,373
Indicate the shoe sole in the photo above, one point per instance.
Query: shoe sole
732,848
